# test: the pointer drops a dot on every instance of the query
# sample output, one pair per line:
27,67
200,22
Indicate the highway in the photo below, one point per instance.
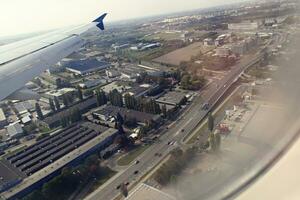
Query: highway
176,133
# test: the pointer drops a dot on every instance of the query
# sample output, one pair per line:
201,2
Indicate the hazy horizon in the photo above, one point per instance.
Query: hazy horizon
22,17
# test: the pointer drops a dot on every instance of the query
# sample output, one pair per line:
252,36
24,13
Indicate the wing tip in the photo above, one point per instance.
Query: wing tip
101,18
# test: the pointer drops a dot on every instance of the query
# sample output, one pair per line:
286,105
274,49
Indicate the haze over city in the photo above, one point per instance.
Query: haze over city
34,15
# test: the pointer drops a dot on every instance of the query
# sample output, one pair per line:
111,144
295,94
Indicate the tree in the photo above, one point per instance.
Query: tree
57,104
116,98
210,122
130,102
217,138
101,98
39,111
80,95
185,81
119,119
120,129
52,106
65,100
58,83
164,111
64,122
75,115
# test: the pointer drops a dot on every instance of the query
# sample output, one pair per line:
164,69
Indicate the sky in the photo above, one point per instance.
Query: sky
27,16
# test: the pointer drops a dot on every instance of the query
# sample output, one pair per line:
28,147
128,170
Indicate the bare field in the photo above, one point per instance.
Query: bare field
183,54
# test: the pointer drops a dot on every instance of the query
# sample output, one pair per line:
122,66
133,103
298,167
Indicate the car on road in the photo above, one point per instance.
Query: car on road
137,162
136,172
205,106
118,187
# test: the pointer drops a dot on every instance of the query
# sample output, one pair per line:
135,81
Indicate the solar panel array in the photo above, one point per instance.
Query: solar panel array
51,148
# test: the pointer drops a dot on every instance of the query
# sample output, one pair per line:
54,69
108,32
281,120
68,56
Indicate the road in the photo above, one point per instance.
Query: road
176,133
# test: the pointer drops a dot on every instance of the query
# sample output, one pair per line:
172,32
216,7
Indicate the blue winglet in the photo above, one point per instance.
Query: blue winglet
99,20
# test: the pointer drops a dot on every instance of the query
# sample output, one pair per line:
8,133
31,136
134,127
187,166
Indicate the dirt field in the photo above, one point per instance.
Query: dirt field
183,54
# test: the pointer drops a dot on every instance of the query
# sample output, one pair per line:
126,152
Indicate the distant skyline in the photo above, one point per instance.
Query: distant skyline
27,16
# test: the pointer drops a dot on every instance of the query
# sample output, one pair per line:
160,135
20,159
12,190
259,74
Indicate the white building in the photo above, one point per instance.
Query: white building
3,120
222,51
60,93
208,42
244,26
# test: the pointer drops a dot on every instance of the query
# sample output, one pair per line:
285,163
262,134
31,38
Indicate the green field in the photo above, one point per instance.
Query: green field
128,158
164,36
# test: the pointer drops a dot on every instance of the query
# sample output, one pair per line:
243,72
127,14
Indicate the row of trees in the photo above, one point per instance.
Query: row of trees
189,82
101,98
116,98
131,102
142,104
70,118
214,138
71,179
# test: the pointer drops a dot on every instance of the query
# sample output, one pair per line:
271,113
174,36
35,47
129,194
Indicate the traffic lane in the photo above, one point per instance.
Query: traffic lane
146,163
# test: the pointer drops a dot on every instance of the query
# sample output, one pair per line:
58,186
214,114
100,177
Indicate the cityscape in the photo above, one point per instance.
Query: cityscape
155,107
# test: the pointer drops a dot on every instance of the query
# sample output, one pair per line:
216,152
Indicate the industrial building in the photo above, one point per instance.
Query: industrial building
106,113
24,107
83,67
59,93
55,119
29,169
92,83
171,98
244,26
141,90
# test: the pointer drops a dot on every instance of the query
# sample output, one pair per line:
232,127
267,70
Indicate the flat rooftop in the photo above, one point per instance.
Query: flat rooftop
86,65
172,98
52,153
146,192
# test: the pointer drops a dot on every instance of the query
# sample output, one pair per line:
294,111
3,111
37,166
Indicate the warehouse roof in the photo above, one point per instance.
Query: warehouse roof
86,65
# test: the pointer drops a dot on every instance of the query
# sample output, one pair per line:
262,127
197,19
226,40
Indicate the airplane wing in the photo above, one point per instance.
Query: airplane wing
21,61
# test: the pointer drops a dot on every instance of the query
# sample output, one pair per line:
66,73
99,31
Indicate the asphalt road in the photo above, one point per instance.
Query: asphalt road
176,133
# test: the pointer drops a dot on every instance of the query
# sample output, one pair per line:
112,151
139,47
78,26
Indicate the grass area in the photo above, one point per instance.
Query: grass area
127,159
164,36
101,181
203,129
